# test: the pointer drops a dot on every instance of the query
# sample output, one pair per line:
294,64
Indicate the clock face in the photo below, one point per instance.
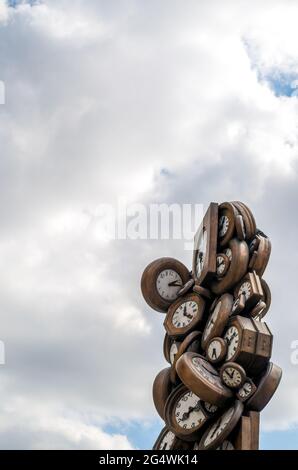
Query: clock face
210,407
167,441
185,314
232,377
219,426
216,350
202,246
246,390
206,370
211,321
188,411
221,265
223,226
228,253
168,284
245,289
232,339
226,445
173,351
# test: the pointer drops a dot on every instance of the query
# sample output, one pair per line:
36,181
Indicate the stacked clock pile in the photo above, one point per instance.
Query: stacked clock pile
217,343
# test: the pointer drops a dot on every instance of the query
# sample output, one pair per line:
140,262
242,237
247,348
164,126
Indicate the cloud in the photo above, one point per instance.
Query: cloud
155,103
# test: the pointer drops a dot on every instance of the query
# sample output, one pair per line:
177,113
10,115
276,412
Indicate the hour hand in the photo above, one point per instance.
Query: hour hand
175,283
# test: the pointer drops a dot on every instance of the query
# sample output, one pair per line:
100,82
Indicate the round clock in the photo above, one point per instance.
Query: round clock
218,318
162,387
191,343
247,390
202,378
222,264
266,388
216,350
217,432
250,286
161,281
170,348
226,222
168,441
236,270
232,374
210,409
184,414
184,315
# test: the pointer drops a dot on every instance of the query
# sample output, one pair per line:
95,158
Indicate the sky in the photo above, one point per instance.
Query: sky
152,102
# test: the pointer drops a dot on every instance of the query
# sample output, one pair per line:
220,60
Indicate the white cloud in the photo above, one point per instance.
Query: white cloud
154,102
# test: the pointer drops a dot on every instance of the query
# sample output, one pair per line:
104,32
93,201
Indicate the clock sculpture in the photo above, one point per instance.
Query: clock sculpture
217,344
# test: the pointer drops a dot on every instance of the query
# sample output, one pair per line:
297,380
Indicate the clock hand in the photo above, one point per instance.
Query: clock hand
175,283
190,410
230,375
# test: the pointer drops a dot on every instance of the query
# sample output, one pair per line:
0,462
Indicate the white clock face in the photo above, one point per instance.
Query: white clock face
232,377
232,339
226,445
220,265
167,441
219,426
245,289
211,321
235,304
207,371
245,390
223,225
228,253
214,349
202,245
173,352
185,314
168,284
188,411
211,408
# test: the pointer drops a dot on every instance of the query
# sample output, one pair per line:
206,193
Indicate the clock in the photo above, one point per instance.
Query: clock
241,337
202,291
218,317
222,264
260,250
249,343
162,387
202,378
238,305
238,257
250,286
248,219
232,375
184,415
210,409
170,348
205,243
266,387
247,390
191,343
216,350
168,441
161,281
222,427
230,223
184,315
